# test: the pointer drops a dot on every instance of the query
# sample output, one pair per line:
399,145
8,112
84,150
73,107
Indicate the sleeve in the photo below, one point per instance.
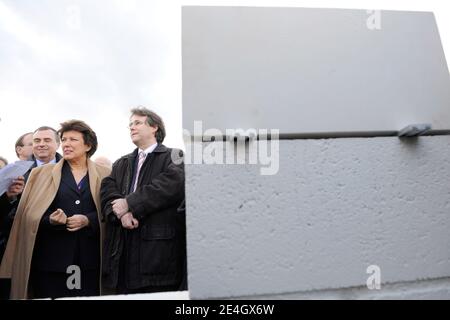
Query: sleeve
109,192
165,191
5,204
4,209
94,226
45,222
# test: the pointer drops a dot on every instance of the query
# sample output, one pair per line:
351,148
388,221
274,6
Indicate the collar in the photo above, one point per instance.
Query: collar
149,149
40,163
159,149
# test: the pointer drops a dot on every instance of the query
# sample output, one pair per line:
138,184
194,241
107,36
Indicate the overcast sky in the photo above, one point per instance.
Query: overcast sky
95,59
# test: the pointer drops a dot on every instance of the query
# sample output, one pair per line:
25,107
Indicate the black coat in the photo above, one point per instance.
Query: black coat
56,248
154,254
8,209
5,222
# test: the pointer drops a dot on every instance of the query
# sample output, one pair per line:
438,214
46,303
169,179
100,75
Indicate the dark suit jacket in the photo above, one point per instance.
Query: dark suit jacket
56,248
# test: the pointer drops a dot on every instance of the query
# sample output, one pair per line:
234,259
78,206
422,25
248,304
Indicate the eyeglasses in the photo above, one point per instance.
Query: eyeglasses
135,123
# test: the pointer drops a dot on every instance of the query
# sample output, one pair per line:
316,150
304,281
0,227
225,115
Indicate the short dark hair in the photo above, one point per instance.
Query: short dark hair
43,128
19,142
153,120
89,136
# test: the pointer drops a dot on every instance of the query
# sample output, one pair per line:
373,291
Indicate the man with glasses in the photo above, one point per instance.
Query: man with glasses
144,249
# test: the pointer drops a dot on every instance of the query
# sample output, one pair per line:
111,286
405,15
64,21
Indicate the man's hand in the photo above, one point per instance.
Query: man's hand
128,221
77,222
58,217
16,187
120,207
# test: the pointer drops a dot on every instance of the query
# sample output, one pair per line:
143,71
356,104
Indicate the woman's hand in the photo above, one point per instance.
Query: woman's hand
77,222
58,217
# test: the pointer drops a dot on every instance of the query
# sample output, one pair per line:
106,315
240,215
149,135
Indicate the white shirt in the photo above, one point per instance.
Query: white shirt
141,161
149,149
40,163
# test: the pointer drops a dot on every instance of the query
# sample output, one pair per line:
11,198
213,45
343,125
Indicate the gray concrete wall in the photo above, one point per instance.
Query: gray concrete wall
335,207
437,289
306,70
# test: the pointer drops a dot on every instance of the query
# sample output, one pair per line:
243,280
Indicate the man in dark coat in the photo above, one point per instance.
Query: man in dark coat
45,143
144,248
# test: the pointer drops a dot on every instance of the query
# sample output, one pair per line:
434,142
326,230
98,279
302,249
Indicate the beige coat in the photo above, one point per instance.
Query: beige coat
40,190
